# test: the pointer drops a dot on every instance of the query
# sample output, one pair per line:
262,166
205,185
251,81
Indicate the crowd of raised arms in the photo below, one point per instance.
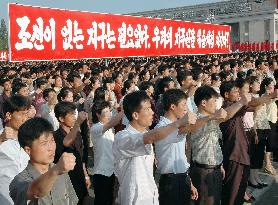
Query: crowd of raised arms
171,130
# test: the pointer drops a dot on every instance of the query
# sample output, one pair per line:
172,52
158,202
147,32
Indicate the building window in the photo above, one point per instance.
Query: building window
266,30
246,31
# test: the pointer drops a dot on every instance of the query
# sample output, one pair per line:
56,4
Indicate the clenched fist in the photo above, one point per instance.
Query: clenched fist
66,163
245,99
190,118
81,117
220,114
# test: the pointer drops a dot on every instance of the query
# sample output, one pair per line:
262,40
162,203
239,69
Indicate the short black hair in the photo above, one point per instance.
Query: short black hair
27,134
97,108
275,74
182,75
16,103
226,86
17,86
99,94
132,102
63,108
163,83
266,82
145,85
63,93
46,92
4,79
172,96
204,92
162,68
241,82
72,75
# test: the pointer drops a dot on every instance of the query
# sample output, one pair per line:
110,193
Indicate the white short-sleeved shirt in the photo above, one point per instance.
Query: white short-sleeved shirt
134,168
103,154
13,160
170,151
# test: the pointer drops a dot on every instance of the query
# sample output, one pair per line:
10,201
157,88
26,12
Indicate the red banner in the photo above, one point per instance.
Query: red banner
4,55
51,34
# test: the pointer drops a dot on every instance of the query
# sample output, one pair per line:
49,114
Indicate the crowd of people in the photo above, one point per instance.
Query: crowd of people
159,130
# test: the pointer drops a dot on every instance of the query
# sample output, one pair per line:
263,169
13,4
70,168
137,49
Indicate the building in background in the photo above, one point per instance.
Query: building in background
251,21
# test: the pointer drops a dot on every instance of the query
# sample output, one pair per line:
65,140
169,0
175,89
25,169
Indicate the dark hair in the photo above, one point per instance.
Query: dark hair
107,80
27,134
275,74
250,72
145,85
215,76
162,68
204,92
4,79
132,102
258,62
63,93
72,75
127,84
132,75
17,86
142,74
16,103
172,96
162,84
97,108
99,94
63,108
40,81
46,92
226,86
241,82
182,75
266,82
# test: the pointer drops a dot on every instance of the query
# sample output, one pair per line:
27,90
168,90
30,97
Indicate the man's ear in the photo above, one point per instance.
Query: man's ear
203,103
226,95
135,115
8,117
61,119
27,150
172,107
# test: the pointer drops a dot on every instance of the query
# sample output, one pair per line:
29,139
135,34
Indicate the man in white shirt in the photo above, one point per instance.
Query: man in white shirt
13,159
175,186
133,151
103,138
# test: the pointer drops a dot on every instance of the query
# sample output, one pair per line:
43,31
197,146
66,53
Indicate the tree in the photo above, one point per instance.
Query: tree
3,35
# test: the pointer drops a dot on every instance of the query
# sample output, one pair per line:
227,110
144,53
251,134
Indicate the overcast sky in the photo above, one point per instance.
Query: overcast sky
105,6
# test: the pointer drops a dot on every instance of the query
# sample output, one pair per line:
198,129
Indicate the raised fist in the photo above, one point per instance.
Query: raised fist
190,118
82,116
246,98
220,114
66,163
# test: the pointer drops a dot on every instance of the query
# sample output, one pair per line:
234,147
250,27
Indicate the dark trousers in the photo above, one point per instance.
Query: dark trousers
208,182
103,188
235,183
174,189
258,150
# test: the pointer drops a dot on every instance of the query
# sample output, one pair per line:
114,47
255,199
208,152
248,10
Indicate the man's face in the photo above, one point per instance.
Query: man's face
85,69
77,82
180,109
145,115
166,73
69,119
58,82
17,118
69,97
209,105
187,82
245,89
7,86
43,149
233,95
24,91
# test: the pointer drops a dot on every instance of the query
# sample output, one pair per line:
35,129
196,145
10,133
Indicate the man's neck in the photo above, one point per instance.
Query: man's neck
203,112
41,168
65,128
7,93
170,115
138,127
